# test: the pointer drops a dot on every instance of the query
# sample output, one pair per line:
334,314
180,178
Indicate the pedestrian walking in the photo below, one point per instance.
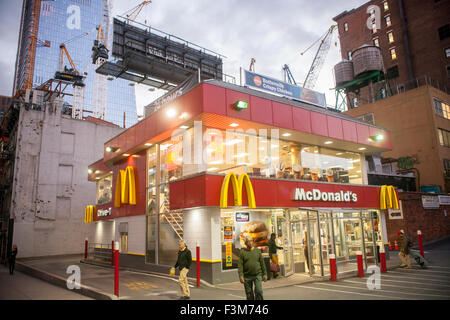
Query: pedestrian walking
12,259
252,270
183,263
273,255
405,244
306,250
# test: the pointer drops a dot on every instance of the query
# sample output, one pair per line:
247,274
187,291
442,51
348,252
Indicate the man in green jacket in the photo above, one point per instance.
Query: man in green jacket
252,270
183,263
404,249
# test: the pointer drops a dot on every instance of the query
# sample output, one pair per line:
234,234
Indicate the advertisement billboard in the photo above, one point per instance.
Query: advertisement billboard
260,82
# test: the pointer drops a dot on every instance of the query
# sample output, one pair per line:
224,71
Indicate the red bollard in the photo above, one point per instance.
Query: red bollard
359,260
390,246
116,274
396,246
333,270
419,237
198,265
383,260
85,248
112,253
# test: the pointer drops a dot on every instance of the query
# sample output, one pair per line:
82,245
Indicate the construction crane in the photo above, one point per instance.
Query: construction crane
252,65
288,77
316,66
133,13
99,56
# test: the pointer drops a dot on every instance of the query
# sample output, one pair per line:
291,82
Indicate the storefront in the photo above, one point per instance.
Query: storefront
201,169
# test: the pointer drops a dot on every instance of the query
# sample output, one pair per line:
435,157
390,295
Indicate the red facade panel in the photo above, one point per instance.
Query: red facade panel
205,190
261,110
214,99
282,115
231,98
319,124
335,128
349,131
302,120
362,133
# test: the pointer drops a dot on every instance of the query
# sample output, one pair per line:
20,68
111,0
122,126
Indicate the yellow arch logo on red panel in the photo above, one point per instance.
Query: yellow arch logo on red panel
89,214
388,198
237,185
125,187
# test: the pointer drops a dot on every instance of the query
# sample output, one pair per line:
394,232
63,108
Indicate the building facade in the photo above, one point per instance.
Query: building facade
414,37
48,194
419,121
74,23
208,170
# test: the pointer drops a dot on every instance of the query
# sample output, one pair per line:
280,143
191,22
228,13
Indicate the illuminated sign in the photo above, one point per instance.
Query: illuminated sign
242,217
237,190
103,213
229,254
240,105
227,233
388,198
125,188
317,195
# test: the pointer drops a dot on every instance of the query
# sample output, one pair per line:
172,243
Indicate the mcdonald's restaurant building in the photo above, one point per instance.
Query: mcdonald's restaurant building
220,162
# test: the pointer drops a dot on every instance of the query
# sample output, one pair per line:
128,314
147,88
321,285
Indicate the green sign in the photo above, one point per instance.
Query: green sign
407,163
240,105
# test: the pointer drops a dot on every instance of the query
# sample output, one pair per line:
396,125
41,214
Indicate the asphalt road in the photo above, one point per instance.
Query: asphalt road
20,286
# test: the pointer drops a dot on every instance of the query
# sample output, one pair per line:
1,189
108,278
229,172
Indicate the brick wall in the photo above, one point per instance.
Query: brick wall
432,222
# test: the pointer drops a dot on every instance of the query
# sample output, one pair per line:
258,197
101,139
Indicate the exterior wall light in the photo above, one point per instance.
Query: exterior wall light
377,138
240,105
110,149
126,154
287,134
171,113
234,125
90,171
328,142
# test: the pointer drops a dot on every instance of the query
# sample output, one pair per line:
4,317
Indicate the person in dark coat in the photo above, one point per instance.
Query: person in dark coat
183,263
404,250
273,252
12,259
252,270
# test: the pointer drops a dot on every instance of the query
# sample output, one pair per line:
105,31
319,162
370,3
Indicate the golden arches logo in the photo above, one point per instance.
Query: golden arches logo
89,214
388,198
237,185
125,187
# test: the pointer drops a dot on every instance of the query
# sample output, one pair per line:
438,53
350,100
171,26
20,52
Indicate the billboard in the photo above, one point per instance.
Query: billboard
284,89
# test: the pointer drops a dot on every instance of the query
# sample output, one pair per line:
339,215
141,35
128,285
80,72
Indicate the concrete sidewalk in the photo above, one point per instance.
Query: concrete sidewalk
97,281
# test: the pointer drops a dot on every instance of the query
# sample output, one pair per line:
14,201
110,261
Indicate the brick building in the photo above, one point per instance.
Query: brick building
414,37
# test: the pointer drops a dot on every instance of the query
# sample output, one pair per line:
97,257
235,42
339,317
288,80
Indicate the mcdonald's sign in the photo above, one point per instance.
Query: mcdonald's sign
89,214
237,185
125,188
388,198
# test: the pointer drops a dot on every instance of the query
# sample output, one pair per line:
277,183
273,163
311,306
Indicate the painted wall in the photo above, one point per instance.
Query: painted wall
51,189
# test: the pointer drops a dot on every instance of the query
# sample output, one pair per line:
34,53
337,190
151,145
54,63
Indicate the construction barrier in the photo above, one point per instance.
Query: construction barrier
333,269
390,246
112,252
359,261
86,246
383,260
419,238
116,274
396,246
198,265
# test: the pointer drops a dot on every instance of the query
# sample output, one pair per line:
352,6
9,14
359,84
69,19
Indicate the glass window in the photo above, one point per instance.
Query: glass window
386,6
104,190
393,54
349,55
390,37
442,109
387,19
345,26
374,27
376,42
447,52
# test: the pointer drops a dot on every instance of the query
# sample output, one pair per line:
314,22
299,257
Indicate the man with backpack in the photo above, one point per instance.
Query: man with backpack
405,244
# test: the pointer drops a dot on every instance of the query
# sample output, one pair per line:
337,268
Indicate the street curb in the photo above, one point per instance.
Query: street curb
61,282
105,265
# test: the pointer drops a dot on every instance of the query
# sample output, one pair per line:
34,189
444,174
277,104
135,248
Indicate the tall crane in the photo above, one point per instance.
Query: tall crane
99,56
133,13
288,77
317,64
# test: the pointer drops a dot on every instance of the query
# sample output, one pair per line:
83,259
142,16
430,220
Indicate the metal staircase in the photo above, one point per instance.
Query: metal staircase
175,219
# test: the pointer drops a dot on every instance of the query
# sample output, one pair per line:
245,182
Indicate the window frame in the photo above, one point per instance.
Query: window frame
393,56
390,34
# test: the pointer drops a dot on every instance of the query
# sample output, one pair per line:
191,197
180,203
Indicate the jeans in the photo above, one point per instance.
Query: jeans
11,267
256,293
